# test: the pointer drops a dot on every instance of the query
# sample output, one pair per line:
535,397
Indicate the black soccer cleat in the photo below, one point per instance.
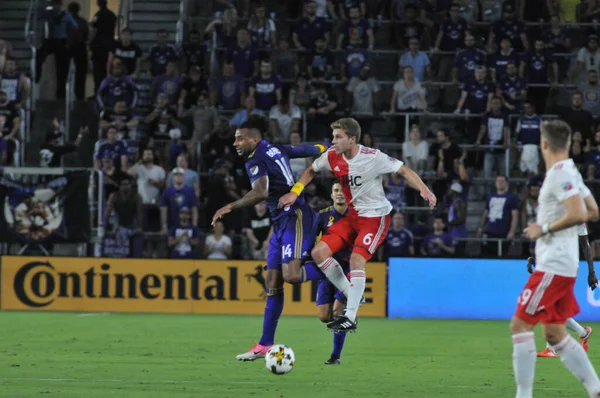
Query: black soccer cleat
333,361
342,324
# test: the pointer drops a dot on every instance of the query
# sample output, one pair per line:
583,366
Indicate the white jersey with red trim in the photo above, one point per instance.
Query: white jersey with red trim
361,178
558,252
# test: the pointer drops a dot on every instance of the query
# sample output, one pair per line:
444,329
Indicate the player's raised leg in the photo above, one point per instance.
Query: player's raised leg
274,305
371,233
584,333
297,239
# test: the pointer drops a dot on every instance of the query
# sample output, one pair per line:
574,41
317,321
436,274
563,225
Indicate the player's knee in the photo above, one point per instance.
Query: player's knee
519,326
292,274
320,253
274,279
554,334
324,316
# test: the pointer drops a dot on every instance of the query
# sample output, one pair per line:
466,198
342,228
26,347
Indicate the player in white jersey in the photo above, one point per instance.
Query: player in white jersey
359,170
548,295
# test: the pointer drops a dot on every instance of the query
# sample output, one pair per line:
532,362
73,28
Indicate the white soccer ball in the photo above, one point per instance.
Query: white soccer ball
280,359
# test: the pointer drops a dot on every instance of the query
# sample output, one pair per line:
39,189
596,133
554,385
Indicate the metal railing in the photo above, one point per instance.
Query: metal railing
30,35
69,97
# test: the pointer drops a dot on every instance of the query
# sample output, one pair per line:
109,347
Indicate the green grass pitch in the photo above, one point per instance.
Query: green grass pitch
135,356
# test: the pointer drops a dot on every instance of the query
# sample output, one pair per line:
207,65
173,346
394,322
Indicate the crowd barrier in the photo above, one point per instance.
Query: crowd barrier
158,286
469,289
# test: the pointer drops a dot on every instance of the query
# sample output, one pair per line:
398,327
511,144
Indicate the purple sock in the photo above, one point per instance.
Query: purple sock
310,272
271,316
338,344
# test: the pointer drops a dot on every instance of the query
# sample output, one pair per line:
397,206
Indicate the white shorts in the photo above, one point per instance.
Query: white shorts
530,159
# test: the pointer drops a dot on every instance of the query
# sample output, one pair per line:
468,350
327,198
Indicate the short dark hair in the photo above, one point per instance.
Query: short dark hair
256,125
74,8
445,131
557,133
350,126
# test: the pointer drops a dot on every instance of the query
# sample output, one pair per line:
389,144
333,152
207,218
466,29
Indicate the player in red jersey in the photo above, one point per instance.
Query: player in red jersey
548,295
360,170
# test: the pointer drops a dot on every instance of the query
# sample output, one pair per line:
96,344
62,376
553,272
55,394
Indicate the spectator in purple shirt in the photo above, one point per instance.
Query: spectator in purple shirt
438,243
113,148
356,25
310,28
355,59
169,84
266,88
227,92
399,241
509,26
244,55
162,53
452,32
498,62
194,52
117,87
467,60
500,218
541,68
184,239
174,198
512,89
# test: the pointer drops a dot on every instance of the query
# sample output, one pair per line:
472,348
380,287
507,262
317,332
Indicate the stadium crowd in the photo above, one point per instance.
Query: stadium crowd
168,113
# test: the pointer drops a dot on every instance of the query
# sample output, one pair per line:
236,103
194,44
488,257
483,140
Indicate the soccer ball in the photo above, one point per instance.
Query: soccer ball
280,359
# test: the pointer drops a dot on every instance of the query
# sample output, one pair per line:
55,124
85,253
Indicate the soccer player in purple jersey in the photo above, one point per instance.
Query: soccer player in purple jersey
268,167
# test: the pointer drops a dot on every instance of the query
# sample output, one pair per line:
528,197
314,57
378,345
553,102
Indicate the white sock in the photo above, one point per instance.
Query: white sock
576,327
334,272
524,356
577,361
357,288
549,346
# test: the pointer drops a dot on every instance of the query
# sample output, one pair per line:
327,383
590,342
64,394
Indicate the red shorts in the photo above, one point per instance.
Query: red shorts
547,298
362,234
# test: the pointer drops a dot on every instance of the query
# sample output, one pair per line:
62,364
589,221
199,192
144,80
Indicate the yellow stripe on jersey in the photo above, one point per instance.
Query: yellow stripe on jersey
299,238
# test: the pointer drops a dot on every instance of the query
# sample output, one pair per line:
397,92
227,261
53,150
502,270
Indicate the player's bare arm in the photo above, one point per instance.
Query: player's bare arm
589,258
575,213
415,181
305,179
258,193
592,208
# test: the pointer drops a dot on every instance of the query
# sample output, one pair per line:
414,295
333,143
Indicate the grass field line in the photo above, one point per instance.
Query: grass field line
239,382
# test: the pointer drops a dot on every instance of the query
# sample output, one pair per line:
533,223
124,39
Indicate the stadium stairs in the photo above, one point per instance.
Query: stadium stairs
147,16
14,14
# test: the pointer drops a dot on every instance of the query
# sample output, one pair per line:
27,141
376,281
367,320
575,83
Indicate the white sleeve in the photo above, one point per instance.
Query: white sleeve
582,230
322,163
296,112
564,184
227,240
423,150
581,55
386,164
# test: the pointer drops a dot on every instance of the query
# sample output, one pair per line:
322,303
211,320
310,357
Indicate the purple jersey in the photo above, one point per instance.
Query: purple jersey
512,86
511,29
170,86
3,148
243,60
550,37
478,95
113,151
114,88
538,66
194,55
229,91
396,193
308,32
184,249
174,199
454,34
265,91
499,62
500,209
467,61
355,60
431,244
159,56
528,128
397,243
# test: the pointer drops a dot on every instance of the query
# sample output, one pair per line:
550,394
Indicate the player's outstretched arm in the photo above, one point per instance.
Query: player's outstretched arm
290,198
592,207
575,213
415,182
305,150
258,193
